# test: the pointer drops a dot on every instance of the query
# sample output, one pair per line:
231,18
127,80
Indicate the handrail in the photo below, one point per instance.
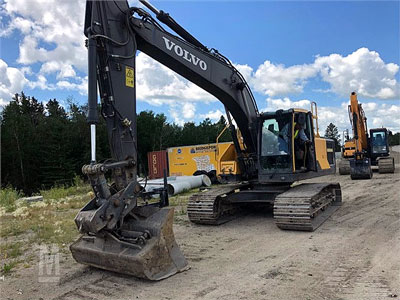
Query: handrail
315,116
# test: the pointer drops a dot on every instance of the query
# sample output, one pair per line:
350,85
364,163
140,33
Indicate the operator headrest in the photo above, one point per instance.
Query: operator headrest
301,119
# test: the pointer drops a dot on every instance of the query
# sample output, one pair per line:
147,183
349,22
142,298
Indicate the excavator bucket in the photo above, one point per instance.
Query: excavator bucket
360,168
144,246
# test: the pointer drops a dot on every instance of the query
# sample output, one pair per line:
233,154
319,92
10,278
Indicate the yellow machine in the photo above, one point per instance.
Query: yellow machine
216,160
348,149
186,160
364,150
222,158
227,160
127,229
291,149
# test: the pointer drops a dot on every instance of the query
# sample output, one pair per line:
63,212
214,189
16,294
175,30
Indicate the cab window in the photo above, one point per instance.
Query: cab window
379,142
275,143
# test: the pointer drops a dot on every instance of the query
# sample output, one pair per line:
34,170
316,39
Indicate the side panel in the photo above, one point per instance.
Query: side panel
184,161
325,153
157,162
227,159
349,149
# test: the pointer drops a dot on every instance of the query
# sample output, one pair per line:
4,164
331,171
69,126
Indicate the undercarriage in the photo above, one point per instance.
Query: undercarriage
303,207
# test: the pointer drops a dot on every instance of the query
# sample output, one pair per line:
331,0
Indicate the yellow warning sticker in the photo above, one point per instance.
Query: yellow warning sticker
129,77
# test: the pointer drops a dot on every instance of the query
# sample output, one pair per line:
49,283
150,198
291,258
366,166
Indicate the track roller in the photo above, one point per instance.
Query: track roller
386,165
344,167
305,207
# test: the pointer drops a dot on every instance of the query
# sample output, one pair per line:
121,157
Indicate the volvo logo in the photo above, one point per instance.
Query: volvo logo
185,54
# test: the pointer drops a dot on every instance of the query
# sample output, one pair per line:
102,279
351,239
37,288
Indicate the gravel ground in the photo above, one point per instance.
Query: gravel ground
353,255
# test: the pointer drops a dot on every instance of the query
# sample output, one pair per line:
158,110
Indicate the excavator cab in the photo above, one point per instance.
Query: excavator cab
288,144
379,145
276,146
379,150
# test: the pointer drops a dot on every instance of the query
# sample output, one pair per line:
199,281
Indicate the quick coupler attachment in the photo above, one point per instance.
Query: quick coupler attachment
360,168
144,246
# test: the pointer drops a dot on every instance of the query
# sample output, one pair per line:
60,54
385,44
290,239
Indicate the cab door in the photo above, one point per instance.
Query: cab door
311,156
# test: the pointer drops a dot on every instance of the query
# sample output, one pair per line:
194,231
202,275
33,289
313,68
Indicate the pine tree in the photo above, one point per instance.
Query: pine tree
332,132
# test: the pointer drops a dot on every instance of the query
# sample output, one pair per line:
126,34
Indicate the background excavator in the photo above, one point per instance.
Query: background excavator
122,228
363,150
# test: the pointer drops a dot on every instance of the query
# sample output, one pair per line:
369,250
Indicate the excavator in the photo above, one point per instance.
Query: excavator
123,229
363,151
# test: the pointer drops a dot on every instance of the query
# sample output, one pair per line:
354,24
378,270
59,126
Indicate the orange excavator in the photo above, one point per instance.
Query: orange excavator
363,150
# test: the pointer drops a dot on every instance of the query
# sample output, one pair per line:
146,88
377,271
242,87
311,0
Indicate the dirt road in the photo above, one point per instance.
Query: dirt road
354,255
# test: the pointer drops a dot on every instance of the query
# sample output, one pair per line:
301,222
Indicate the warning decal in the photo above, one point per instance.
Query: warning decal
129,77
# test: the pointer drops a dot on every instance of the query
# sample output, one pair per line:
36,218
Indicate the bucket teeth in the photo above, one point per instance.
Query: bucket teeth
152,255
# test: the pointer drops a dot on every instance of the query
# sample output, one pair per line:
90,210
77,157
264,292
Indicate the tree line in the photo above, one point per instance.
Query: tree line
45,144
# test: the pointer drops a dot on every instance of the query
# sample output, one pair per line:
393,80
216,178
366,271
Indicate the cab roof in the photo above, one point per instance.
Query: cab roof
283,111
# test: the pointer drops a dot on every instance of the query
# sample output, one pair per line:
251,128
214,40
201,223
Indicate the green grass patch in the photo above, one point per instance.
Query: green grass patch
51,222
45,222
58,193
7,267
182,198
10,250
8,199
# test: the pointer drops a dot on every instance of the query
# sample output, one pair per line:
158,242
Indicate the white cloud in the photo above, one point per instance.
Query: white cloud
26,70
12,81
213,115
176,116
157,84
52,36
57,24
246,71
188,110
81,86
63,70
286,103
273,80
41,83
362,71
182,112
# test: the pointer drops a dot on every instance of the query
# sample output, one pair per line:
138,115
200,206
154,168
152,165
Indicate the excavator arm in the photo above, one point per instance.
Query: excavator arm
119,234
358,121
186,56
360,164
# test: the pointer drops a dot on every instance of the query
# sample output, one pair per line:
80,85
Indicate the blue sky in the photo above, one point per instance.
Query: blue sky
277,42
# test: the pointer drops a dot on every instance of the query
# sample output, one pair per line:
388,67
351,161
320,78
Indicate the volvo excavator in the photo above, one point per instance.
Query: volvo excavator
363,151
123,228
